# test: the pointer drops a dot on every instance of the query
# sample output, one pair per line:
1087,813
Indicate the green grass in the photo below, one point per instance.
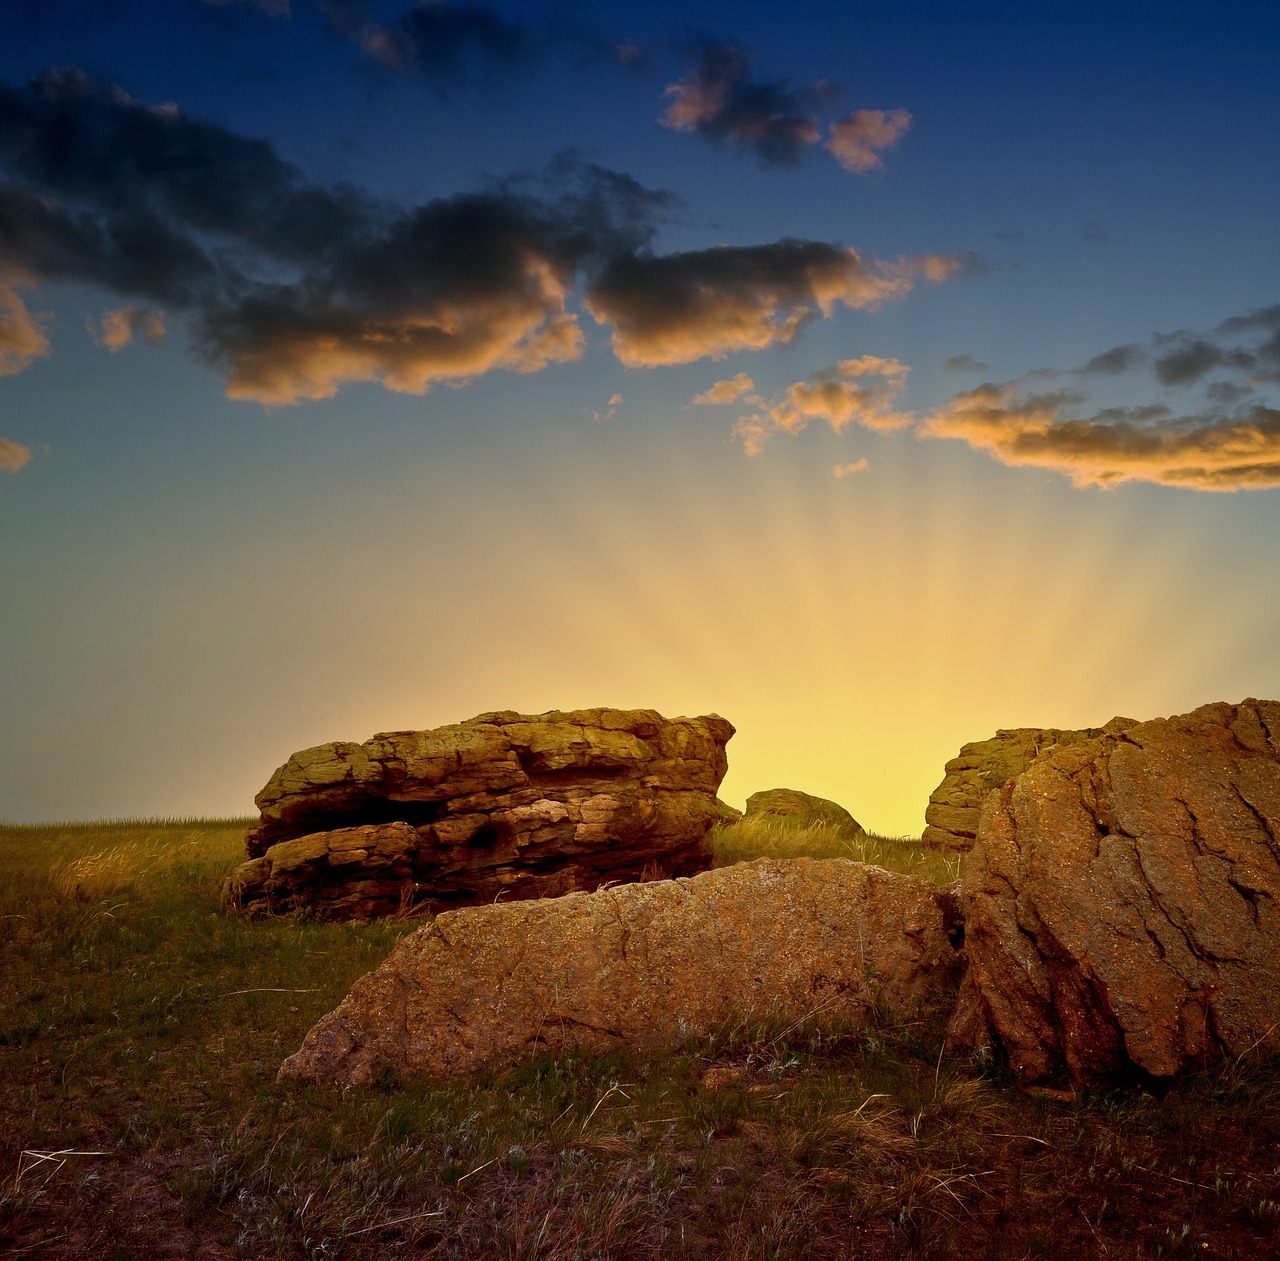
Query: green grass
143,1028
777,838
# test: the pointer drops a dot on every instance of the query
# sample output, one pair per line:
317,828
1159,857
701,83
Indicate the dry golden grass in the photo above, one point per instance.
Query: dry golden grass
140,1115
766,837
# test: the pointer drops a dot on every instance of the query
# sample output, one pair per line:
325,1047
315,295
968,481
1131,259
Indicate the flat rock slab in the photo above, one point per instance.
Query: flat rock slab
504,805
642,965
1121,901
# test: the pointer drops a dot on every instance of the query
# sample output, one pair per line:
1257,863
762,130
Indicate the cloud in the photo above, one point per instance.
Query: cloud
861,391
857,140
1024,429
22,341
849,470
676,308
963,363
292,289
276,8
1120,359
611,409
724,392
1195,358
720,101
117,329
13,455
434,38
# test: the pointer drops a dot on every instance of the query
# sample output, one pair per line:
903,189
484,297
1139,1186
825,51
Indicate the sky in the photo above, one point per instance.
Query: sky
873,376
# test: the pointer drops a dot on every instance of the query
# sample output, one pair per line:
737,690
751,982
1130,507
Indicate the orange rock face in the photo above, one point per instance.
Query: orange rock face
1122,901
642,965
505,805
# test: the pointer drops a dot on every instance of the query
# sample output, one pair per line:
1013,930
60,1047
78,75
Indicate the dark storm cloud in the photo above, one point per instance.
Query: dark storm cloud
294,289
720,100
435,39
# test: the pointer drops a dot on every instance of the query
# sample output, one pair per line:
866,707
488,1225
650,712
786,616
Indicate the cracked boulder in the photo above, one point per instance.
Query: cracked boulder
642,965
1121,902
503,806
951,817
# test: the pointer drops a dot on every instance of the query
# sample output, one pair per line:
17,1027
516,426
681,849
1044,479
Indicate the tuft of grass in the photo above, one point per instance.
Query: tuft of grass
140,1116
767,837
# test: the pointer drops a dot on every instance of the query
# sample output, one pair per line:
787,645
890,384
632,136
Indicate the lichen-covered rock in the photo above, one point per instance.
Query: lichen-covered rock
641,965
1121,901
951,817
800,808
505,805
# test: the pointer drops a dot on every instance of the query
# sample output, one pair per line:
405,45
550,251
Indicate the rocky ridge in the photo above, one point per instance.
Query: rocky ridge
504,805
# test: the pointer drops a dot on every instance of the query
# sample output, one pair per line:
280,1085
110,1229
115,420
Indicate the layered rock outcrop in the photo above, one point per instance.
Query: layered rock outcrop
1122,901
793,806
951,817
504,805
641,965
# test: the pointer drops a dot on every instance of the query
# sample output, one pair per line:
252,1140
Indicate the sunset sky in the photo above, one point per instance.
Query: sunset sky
874,376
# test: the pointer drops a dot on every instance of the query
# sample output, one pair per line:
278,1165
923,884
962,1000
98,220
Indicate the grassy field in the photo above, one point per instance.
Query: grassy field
141,1029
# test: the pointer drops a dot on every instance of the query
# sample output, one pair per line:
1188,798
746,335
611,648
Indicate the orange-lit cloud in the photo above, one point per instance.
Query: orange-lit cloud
676,308
724,392
13,455
1024,429
610,411
281,355
860,391
857,140
117,329
21,339
720,101
849,470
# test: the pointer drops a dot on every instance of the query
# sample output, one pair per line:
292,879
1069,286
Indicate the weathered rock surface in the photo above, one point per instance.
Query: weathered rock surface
1120,901
503,805
800,808
641,965
951,817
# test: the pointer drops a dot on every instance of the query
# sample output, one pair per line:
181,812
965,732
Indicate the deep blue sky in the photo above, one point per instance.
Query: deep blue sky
313,317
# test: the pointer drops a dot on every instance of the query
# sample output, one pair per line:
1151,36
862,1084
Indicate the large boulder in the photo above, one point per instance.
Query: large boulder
951,817
642,965
1121,902
504,805
802,809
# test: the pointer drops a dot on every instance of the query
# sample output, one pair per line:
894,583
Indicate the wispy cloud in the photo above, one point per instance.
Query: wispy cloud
863,391
435,39
850,470
1227,440
13,455
963,363
610,411
276,8
1020,428
117,329
723,393
720,100
857,140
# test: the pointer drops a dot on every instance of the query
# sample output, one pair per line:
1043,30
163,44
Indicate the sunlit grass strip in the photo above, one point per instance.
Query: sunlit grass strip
766,837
